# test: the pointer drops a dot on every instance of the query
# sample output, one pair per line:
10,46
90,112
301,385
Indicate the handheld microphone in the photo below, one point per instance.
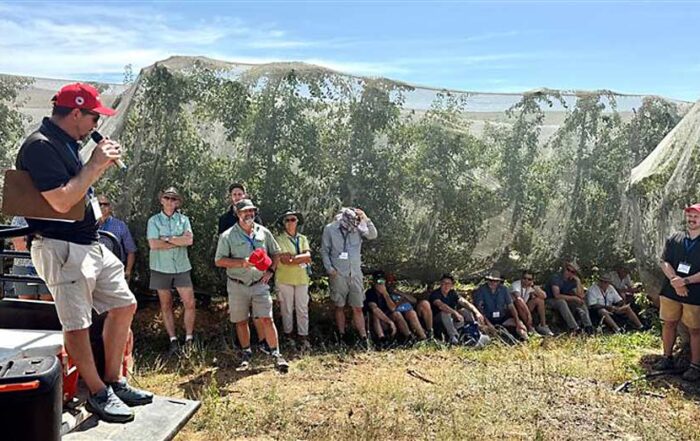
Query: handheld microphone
97,137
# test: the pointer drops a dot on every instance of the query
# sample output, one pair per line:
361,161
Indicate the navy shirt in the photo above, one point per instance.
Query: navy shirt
493,305
230,218
567,287
680,248
373,296
52,162
451,300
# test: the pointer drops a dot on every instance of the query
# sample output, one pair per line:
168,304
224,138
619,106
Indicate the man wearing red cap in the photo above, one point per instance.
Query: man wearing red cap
81,274
245,250
680,295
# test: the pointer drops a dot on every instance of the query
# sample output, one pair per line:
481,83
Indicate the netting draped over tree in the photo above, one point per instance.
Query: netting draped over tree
446,193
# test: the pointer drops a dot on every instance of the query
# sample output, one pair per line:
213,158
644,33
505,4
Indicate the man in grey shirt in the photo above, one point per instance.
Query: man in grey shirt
341,248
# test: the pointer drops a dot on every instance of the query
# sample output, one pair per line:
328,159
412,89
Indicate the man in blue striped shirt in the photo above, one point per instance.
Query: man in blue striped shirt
121,231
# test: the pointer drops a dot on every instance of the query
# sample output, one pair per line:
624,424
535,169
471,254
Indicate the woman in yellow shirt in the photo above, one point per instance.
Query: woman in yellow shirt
292,277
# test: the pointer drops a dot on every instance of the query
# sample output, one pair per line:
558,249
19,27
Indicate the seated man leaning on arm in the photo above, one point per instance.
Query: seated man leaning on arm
565,293
622,282
604,303
452,312
496,305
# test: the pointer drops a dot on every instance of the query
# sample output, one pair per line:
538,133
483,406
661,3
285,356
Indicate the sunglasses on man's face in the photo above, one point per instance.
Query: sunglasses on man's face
572,271
105,204
95,116
528,278
169,198
290,219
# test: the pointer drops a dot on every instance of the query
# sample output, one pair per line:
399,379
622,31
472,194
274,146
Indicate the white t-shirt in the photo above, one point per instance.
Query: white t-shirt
619,283
595,296
524,293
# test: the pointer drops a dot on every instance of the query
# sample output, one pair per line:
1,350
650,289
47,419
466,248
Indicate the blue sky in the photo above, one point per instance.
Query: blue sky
630,47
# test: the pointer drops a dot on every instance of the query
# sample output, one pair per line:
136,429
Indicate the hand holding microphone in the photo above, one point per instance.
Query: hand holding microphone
97,137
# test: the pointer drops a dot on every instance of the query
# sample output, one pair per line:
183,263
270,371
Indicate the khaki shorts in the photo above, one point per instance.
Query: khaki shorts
242,298
81,278
672,311
347,290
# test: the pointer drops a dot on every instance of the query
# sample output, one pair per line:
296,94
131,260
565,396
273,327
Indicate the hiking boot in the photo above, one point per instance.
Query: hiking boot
589,330
544,331
665,364
692,373
130,395
108,407
281,364
173,349
304,344
246,356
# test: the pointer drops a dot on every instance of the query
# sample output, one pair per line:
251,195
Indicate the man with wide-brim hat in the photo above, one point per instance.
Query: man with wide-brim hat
566,295
248,285
169,233
292,277
496,305
604,303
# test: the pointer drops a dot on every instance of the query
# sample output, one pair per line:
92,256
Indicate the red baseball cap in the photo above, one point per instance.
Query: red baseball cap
260,259
81,96
694,207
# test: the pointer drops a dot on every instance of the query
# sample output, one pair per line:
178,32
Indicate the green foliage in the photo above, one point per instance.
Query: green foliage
443,199
11,120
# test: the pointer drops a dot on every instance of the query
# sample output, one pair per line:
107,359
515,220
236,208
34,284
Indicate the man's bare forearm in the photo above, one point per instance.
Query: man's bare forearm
63,198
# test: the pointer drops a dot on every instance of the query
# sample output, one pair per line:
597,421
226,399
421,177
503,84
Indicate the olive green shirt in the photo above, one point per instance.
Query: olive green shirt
236,244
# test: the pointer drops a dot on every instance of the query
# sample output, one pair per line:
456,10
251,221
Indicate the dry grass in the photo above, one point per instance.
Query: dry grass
557,389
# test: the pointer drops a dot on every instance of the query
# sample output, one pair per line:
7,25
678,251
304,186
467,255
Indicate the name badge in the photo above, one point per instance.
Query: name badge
683,268
497,314
343,255
96,207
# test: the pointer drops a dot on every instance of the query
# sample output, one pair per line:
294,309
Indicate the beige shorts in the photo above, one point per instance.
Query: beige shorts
347,290
81,278
242,298
672,311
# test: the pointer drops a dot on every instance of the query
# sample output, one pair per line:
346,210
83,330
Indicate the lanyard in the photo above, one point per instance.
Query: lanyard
295,243
345,240
689,244
250,240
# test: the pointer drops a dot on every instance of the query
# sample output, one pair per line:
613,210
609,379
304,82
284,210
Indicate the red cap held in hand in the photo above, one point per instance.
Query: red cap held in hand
260,259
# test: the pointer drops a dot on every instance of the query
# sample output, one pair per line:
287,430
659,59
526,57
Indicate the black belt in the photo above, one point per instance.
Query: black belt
240,282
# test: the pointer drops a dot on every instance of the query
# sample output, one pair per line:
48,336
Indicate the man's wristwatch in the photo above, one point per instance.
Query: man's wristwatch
167,239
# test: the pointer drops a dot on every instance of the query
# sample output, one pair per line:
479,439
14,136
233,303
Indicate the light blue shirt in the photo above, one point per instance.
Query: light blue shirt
174,260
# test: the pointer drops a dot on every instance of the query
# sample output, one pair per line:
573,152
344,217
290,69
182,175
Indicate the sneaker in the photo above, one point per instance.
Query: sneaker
281,364
246,356
362,344
264,348
108,407
665,364
130,395
454,340
692,373
173,349
544,330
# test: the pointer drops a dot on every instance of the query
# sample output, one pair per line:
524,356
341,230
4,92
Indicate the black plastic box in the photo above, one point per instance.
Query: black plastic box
31,403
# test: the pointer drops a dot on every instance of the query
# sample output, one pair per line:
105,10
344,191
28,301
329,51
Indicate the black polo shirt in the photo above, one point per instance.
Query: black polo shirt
680,248
52,160
229,219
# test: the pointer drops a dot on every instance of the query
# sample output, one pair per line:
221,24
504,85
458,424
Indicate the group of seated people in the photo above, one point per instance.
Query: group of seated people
516,311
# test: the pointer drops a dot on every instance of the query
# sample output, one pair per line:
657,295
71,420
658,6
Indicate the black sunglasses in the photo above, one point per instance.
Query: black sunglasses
290,219
105,204
95,116
169,198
